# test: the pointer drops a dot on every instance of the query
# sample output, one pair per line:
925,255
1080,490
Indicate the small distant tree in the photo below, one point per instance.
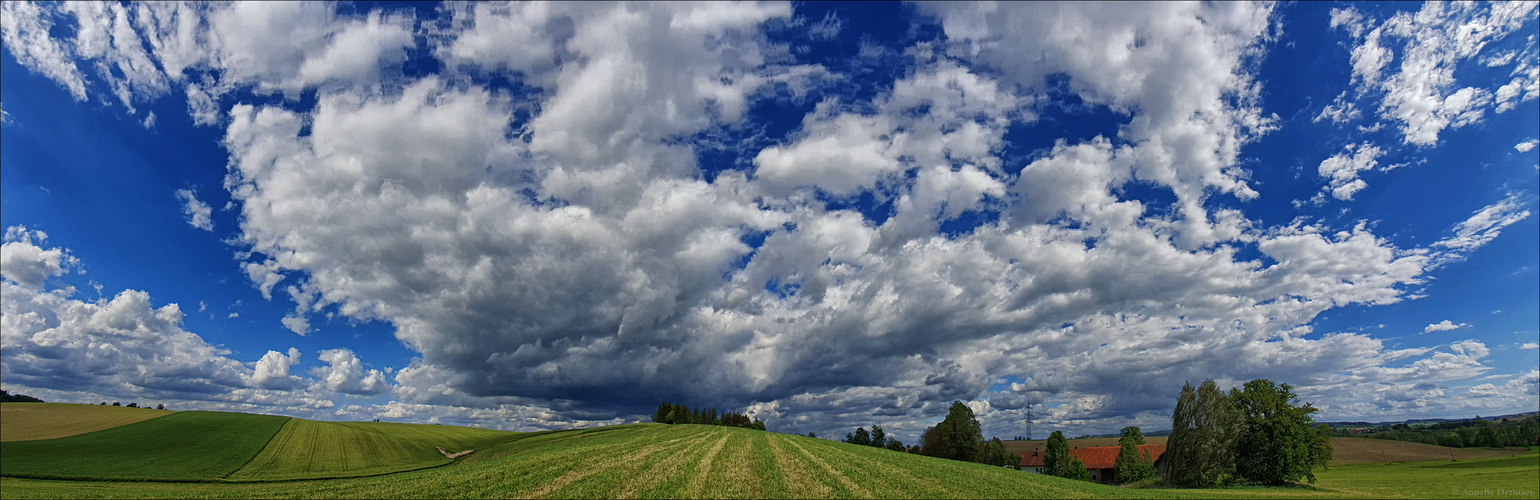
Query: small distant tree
861,437
161,406
115,403
104,403
993,452
812,434
879,437
1077,470
895,445
1056,455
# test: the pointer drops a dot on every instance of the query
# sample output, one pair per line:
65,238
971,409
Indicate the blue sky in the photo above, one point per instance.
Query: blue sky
551,215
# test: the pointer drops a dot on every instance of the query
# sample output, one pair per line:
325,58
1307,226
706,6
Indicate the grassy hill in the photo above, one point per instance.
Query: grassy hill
34,421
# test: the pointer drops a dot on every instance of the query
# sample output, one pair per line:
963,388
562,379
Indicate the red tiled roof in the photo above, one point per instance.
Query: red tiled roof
1096,457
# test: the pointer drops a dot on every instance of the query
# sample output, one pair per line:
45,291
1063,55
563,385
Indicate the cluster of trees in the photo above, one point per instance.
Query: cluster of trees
6,397
877,438
671,413
135,405
958,437
1475,433
1256,434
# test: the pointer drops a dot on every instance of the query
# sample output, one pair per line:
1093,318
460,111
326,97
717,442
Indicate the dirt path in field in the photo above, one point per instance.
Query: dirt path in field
453,456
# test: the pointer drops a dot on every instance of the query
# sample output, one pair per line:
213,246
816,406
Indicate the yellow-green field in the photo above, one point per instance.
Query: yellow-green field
306,449
34,421
626,461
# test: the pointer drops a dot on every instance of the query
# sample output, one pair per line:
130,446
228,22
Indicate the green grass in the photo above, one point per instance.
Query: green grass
34,421
691,461
182,446
306,449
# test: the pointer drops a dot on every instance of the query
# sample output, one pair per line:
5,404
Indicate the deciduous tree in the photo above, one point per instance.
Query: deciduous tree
1277,443
1131,465
1056,455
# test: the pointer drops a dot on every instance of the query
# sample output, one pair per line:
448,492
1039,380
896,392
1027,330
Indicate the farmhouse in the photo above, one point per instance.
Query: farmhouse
1099,460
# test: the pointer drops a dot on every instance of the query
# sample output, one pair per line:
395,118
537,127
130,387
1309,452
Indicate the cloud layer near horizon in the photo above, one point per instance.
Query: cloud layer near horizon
556,250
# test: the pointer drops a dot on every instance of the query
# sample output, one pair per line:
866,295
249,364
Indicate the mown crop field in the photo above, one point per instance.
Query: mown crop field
693,461
306,449
34,421
183,446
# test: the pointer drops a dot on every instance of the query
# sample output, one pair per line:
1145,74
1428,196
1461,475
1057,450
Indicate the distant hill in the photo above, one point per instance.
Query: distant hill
34,421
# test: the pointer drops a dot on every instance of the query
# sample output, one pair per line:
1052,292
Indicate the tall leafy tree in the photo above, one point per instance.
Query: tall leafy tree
1056,455
958,435
1277,443
1200,450
879,437
663,413
1131,465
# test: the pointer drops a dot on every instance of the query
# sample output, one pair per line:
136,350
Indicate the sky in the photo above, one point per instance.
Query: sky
828,215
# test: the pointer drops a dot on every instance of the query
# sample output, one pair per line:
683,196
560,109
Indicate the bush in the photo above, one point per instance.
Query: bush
1077,470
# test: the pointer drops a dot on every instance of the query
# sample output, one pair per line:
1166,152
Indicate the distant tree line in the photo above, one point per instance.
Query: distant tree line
6,397
672,413
135,405
1256,434
957,437
1475,433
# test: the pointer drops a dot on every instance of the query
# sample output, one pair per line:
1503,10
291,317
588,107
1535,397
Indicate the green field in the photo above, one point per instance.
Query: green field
686,461
34,421
306,449
183,446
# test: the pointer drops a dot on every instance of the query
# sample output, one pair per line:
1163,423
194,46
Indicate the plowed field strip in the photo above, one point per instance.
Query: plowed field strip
609,463
769,481
698,484
518,475
732,475
664,470
916,483
851,485
801,480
